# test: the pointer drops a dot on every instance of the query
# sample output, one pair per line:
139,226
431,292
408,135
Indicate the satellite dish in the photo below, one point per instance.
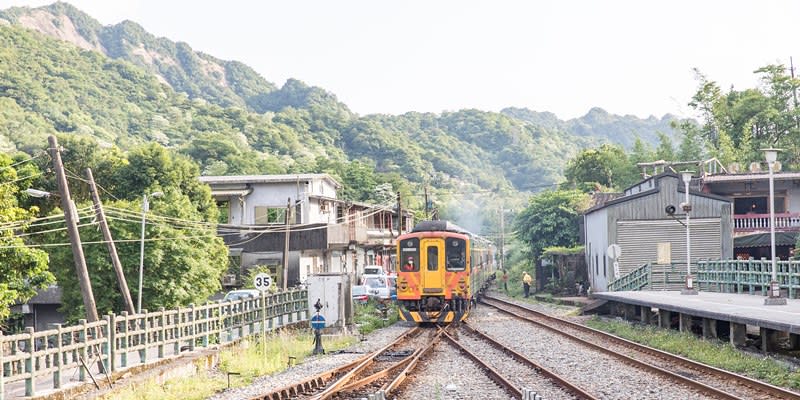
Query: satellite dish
755,167
734,168
776,166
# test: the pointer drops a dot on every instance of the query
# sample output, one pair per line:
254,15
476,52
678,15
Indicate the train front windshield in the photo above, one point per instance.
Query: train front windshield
456,254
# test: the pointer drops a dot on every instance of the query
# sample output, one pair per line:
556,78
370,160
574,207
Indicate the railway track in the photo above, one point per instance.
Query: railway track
713,382
380,371
513,371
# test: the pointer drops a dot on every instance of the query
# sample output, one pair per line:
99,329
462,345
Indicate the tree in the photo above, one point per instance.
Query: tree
23,269
183,259
552,218
607,165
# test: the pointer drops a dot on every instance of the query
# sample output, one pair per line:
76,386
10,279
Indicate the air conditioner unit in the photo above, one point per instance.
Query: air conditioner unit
229,280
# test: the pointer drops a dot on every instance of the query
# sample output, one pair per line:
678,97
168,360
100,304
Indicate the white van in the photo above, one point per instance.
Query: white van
374,270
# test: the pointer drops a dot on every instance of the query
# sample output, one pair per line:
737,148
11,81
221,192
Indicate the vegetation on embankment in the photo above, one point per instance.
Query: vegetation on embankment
714,353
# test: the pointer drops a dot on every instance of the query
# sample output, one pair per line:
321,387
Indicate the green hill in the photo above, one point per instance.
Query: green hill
123,86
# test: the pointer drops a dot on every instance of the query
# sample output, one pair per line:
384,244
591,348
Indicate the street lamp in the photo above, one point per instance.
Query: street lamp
686,176
145,208
774,297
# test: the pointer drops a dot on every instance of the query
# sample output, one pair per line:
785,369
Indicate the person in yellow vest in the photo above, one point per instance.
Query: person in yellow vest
526,283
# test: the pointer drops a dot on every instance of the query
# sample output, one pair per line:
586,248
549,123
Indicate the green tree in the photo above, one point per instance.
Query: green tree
183,259
607,165
23,269
552,218
665,150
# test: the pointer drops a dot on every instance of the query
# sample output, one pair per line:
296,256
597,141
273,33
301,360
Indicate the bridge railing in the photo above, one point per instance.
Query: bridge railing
49,354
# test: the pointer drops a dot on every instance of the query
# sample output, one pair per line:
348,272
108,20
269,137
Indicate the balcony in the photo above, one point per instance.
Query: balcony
747,223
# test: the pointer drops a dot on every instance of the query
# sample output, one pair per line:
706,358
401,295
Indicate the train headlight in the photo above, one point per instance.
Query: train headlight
402,285
462,284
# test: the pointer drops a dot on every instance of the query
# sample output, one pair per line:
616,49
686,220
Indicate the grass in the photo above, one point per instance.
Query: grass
369,317
717,354
247,359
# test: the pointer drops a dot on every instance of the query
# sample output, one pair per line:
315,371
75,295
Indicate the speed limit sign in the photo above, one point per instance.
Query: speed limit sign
262,281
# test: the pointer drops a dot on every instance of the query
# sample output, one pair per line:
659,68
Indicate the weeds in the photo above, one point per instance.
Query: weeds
720,355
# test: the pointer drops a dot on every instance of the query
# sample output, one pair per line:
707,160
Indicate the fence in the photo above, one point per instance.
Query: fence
151,336
726,276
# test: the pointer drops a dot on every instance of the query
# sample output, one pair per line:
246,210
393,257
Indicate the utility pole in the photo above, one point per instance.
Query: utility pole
112,249
286,244
426,202
72,231
794,89
399,216
502,238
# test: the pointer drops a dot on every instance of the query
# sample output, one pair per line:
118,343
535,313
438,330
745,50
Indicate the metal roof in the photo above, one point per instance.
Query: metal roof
212,180
750,177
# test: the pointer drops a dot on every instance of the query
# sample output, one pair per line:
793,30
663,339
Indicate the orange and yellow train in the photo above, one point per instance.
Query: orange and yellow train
441,271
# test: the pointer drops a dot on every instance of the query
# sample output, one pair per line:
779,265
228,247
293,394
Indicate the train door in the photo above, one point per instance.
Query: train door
432,267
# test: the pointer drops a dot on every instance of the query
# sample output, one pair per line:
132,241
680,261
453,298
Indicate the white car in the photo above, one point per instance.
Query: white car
234,295
373,270
378,286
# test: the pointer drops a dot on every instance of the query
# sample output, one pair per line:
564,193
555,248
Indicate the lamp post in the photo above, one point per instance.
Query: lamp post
686,177
774,297
145,208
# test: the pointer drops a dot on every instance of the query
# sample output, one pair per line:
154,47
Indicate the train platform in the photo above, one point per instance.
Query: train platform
713,314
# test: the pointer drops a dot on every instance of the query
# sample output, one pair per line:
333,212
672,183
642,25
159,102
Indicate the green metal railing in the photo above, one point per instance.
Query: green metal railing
748,276
34,355
725,276
637,279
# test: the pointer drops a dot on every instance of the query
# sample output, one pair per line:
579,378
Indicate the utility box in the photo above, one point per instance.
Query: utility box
333,292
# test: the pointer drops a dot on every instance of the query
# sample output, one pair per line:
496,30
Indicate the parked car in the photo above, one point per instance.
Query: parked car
373,270
234,295
360,295
378,287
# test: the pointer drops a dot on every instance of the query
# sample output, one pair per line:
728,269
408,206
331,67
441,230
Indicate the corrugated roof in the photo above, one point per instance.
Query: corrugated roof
266,178
750,177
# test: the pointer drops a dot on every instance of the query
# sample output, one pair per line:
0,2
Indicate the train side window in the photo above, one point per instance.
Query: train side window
433,258
456,254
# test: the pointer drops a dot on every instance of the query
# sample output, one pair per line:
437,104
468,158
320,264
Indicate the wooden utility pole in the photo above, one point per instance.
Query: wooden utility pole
286,244
399,216
72,231
426,202
502,238
112,249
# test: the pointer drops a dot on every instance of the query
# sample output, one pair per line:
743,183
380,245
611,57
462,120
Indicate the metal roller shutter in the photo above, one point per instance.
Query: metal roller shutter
639,239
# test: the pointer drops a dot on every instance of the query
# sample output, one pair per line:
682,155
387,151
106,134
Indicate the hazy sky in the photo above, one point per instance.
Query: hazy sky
628,57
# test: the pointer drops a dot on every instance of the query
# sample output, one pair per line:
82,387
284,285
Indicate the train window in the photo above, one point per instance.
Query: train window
455,254
409,255
433,258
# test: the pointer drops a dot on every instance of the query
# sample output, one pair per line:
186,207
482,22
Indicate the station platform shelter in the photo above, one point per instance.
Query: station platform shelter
713,315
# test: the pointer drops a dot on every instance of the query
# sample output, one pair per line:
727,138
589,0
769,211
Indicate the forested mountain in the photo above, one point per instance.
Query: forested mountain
602,126
124,86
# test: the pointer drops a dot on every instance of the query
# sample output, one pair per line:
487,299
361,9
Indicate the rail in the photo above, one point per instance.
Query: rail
152,336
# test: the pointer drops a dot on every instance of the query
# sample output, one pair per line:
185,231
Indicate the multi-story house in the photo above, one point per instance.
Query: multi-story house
325,234
749,193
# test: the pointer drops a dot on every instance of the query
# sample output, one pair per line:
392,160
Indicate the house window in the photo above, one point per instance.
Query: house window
605,267
270,215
